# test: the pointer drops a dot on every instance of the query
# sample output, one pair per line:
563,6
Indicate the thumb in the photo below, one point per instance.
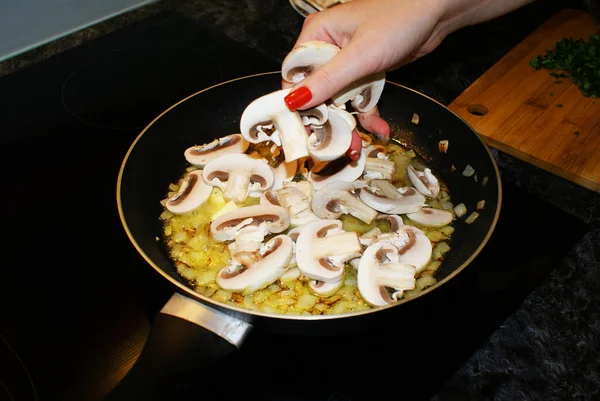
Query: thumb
347,66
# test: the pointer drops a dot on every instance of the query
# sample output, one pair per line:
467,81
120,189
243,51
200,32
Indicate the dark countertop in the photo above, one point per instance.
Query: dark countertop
545,350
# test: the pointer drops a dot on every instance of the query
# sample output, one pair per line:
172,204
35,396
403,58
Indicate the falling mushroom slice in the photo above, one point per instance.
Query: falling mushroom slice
324,289
201,155
239,175
363,93
268,113
431,217
382,196
342,169
273,219
424,181
322,249
332,139
306,58
192,193
262,269
336,198
380,269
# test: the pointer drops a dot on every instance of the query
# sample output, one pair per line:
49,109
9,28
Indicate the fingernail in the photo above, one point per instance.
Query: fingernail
298,98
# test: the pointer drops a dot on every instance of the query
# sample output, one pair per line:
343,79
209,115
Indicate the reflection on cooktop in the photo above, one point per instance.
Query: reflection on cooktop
125,87
77,300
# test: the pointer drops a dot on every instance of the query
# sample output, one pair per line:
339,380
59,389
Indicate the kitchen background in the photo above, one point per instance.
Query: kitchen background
547,347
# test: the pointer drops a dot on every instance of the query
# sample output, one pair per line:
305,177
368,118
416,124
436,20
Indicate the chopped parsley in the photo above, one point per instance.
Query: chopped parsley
575,58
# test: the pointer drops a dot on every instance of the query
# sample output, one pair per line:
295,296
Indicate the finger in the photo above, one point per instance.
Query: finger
372,122
286,84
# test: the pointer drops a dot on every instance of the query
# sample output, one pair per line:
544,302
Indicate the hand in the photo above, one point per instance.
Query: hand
382,35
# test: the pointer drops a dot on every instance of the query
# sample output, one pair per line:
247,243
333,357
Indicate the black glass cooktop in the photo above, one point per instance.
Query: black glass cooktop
77,301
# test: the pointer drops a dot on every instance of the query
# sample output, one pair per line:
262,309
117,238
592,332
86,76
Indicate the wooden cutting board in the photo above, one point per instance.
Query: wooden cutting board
528,114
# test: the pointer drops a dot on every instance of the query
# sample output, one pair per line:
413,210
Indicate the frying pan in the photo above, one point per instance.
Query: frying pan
195,330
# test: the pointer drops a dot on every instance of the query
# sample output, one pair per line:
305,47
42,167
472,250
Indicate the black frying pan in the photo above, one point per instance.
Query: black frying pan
193,329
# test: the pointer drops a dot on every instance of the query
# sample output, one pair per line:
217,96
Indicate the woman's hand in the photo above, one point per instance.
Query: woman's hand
381,35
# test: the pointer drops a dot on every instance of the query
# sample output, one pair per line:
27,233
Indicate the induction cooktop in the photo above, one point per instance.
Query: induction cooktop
77,300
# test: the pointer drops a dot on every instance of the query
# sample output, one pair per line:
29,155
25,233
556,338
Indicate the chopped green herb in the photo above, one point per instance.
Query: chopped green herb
577,59
558,82
577,132
559,105
551,93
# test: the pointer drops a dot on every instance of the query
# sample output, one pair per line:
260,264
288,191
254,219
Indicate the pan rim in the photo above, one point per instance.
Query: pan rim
236,311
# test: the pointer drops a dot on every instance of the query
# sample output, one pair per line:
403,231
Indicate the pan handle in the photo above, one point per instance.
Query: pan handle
186,339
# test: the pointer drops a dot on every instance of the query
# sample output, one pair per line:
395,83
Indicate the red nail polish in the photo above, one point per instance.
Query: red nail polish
298,98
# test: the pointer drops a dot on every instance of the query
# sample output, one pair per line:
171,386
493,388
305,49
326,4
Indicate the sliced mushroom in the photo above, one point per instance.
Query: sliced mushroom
268,119
380,269
322,249
259,270
377,164
297,204
192,193
269,198
373,235
424,181
273,219
431,217
284,172
201,155
414,247
381,195
239,175
316,116
342,169
337,198
363,93
369,237
332,139
306,58
324,289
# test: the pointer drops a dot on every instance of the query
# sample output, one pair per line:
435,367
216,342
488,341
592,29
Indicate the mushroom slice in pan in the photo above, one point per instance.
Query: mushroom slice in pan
201,155
431,217
377,164
363,93
268,119
374,234
379,269
414,248
322,249
337,198
324,289
258,270
284,172
424,181
297,203
239,175
273,219
192,193
332,139
382,196
342,169
269,198
306,58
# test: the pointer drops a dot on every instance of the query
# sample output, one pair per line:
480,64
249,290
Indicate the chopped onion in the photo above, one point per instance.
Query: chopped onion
471,217
460,209
452,168
443,146
468,171
485,180
481,204
415,119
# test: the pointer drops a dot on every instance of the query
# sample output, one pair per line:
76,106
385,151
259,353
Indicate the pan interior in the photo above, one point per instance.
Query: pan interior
156,159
